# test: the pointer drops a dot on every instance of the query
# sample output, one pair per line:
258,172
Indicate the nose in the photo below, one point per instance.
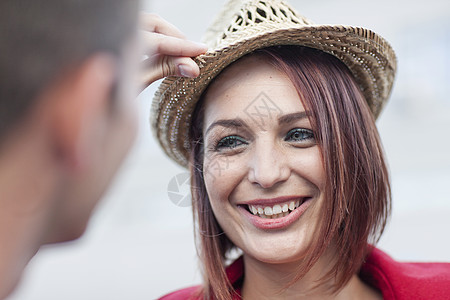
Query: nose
268,166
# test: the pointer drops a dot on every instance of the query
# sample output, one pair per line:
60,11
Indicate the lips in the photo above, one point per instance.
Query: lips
274,213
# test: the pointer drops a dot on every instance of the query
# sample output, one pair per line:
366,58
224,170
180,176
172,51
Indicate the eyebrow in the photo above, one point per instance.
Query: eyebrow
289,118
227,123
285,119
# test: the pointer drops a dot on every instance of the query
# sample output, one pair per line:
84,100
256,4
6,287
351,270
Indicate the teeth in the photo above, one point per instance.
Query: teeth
277,216
291,205
277,211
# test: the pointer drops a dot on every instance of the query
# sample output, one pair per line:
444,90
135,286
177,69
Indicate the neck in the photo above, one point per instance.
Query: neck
269,281
26,184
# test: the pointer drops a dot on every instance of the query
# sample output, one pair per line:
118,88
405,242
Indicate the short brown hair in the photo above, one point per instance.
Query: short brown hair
40,39
358,197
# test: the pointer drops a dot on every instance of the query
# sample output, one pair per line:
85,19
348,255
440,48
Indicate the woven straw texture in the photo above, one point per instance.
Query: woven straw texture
245,26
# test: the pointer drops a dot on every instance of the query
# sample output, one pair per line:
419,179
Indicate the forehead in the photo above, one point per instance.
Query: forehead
250,86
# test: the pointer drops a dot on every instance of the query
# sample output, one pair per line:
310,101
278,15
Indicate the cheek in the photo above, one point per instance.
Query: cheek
125,127
309,165
222,176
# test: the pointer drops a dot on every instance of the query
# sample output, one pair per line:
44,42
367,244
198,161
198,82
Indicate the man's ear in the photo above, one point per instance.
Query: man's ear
81,110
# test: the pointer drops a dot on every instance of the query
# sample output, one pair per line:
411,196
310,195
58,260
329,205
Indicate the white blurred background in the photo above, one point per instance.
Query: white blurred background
140,245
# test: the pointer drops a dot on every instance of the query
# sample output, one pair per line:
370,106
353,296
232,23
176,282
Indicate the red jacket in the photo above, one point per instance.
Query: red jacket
395,280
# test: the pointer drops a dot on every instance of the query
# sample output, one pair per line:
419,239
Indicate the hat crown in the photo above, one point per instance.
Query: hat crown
240,16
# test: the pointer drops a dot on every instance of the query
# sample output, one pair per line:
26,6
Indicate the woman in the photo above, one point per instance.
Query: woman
287,166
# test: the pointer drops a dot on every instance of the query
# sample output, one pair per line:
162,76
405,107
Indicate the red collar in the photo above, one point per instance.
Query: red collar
395,280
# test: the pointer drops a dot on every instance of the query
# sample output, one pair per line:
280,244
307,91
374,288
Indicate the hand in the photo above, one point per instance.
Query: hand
169,52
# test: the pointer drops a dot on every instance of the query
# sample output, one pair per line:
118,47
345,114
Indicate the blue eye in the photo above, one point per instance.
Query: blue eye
230,142
299,135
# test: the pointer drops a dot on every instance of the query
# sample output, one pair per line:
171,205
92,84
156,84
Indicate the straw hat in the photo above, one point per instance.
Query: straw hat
244,26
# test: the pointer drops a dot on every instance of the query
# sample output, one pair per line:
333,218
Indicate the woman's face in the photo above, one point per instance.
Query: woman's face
262,166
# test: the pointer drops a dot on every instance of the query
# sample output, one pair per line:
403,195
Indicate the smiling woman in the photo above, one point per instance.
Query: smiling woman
291,193
287,166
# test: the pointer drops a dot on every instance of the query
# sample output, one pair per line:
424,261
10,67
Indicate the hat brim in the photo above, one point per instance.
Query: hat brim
367,55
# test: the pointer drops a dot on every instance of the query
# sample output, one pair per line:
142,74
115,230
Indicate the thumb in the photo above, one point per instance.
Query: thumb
186,67
163,66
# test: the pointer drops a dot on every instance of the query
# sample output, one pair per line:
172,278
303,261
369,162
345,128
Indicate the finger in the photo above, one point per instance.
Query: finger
169,66
154,23
163,66
156,43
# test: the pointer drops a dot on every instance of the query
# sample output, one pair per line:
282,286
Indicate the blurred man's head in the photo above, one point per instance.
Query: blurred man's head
40,40
68,70
67,117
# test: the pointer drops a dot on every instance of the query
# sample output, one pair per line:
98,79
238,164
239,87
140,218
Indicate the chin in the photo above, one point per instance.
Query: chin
75,234
67,234
275,255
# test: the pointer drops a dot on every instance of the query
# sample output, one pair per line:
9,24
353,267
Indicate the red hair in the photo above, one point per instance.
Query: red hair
358,197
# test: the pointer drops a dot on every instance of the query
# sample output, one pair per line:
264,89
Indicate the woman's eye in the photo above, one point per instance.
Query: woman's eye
299,135
230,142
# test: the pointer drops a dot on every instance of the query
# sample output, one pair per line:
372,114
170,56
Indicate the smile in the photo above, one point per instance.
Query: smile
274,212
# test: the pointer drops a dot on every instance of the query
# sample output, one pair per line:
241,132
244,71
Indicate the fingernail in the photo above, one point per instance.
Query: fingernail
185,71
